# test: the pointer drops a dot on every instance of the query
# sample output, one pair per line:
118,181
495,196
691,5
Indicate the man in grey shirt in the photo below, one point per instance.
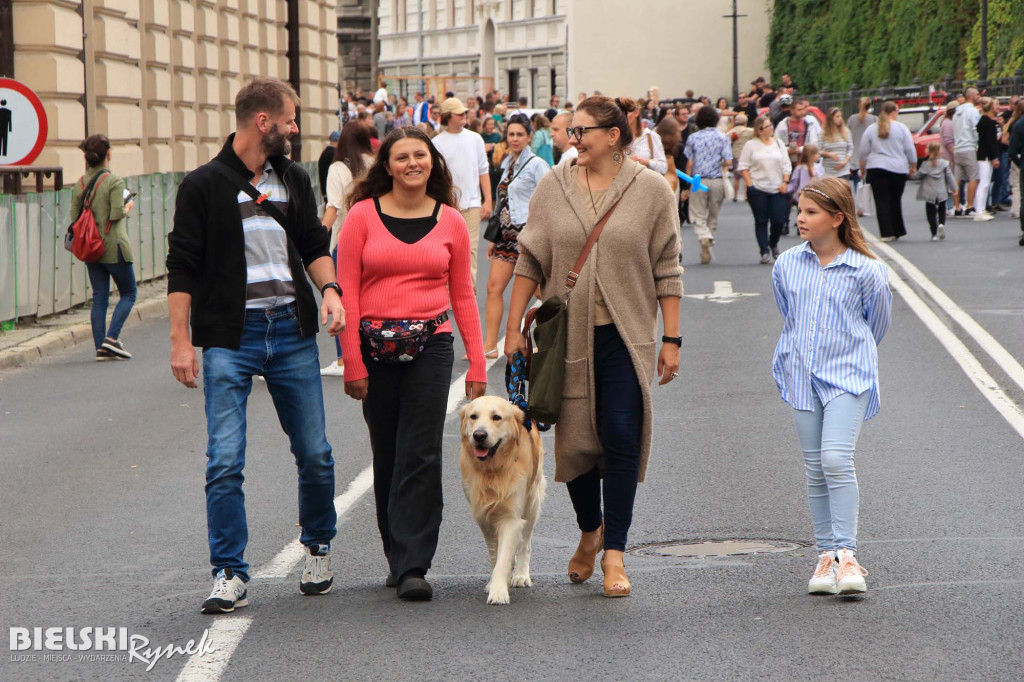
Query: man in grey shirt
965,146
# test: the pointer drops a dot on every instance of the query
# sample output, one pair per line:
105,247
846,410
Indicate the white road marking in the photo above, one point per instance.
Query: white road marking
226,632
961,354
986,341
722,293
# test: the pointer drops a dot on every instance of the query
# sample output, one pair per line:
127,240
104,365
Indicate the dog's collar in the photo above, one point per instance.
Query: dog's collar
491,452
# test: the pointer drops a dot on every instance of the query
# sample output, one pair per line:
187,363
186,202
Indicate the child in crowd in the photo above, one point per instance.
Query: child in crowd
937,183
808,168
836,306
739,135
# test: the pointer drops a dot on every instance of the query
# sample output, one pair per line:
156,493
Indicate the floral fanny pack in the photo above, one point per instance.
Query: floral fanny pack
394,341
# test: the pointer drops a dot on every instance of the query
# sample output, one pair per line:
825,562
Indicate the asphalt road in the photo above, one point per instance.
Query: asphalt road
102,519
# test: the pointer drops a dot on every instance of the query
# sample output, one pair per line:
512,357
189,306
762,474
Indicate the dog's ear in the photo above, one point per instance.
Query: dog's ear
464,413
518,414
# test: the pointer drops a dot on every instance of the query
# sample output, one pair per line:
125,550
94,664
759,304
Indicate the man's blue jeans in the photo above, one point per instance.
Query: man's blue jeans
271,346
828,438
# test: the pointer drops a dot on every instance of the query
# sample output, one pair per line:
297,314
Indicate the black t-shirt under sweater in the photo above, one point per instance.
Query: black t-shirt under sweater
408,230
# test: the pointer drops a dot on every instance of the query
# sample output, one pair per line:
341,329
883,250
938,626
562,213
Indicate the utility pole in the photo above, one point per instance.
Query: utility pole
295,70
736,50
6,39
983,58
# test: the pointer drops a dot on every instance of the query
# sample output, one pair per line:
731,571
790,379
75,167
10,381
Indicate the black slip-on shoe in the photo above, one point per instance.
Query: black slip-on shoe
414,588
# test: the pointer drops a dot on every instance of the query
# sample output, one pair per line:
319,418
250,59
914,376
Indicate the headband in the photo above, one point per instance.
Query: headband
819,192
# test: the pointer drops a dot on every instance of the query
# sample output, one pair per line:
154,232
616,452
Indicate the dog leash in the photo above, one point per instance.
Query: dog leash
515,382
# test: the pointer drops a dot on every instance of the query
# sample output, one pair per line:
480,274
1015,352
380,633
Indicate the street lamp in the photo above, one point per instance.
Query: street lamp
735,51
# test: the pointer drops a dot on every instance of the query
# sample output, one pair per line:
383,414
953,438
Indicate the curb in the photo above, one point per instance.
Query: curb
61,339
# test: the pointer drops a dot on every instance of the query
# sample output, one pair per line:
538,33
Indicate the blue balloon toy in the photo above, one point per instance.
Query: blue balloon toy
697,185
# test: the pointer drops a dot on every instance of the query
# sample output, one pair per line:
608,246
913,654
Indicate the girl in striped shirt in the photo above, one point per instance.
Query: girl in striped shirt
836,306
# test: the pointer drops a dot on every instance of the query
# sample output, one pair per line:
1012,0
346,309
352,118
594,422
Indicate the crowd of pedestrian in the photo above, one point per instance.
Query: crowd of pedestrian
409,190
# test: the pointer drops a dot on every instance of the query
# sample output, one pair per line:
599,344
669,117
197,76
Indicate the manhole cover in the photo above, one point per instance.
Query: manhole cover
715,548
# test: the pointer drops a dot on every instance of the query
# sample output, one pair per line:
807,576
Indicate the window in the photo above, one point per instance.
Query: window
533,87
513,85
554,83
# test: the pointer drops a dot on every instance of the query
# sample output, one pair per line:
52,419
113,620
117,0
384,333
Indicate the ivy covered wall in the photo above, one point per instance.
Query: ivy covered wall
838,43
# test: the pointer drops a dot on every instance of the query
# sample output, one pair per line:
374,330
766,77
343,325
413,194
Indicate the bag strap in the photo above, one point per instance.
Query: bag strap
574,274
520,171
89,193
244,185
650,145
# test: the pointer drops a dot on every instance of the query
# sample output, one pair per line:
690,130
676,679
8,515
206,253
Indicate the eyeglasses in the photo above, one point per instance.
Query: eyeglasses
577,131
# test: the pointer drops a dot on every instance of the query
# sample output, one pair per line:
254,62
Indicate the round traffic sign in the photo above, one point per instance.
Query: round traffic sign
22,124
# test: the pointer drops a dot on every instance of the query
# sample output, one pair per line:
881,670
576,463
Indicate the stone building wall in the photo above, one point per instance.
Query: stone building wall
159,77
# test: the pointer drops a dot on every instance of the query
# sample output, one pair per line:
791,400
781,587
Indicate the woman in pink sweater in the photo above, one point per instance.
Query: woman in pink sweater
403,258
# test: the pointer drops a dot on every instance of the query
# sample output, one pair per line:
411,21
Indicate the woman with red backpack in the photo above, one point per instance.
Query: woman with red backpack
106,193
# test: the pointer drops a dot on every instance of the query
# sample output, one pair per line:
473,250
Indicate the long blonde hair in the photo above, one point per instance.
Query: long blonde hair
864,104
833,131
884,122
833,196
933,152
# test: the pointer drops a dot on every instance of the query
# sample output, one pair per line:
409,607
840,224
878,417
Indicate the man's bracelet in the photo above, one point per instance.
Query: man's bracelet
330,285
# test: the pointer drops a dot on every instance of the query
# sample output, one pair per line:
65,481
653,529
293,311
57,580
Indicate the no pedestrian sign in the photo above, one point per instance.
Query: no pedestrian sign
22,124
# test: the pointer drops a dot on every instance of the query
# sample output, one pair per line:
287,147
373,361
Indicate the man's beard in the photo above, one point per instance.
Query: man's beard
275,143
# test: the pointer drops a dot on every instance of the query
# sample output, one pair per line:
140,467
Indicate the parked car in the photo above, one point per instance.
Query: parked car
925,122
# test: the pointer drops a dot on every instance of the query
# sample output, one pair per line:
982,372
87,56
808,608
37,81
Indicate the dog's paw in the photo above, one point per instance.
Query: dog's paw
497,594
522,580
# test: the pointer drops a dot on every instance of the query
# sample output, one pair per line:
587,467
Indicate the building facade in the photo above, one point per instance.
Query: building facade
536,48
159,77
357,44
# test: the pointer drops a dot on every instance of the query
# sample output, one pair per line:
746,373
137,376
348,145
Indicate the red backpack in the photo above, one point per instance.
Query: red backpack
85,241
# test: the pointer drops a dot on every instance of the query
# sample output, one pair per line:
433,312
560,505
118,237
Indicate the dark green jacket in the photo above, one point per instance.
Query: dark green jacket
108,204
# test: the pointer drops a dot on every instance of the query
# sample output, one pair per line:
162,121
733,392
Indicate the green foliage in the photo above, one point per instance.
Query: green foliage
839,43
1005,40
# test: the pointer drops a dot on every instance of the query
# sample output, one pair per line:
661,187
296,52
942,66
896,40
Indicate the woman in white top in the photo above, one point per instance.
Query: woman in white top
727,117
352,157
836,146
765,167
646,148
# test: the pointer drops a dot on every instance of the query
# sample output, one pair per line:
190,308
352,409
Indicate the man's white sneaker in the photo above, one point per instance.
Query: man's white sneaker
850,575
229,593
316,575
824,579
983,216
942,232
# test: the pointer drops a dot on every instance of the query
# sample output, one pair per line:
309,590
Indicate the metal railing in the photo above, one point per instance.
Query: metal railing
38,277
846,100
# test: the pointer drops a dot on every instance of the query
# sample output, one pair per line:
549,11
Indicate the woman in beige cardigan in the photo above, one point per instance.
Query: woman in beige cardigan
605,423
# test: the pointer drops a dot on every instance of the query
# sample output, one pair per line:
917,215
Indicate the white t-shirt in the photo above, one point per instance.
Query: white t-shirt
339,184
568,155
767,163
648,146
467,161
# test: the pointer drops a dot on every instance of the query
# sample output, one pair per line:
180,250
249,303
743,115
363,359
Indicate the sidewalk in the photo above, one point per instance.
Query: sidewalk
32,340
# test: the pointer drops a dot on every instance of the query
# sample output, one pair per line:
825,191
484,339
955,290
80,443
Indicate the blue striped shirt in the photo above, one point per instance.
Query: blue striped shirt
833,319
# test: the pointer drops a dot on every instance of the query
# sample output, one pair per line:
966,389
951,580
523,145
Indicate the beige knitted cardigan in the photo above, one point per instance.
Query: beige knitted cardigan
635,262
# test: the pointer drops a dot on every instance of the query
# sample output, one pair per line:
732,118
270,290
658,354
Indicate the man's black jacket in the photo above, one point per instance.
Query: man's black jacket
206,248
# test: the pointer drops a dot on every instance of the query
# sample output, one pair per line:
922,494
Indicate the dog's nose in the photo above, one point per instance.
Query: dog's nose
480,436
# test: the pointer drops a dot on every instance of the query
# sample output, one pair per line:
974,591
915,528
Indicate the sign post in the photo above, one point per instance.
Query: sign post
22,124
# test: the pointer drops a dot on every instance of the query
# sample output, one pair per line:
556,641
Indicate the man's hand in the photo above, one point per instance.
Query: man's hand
475,389
331,306
184,363
995,163
357,389
485,210
668,363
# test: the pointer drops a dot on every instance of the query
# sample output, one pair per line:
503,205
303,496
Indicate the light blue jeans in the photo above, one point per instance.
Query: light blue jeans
828,438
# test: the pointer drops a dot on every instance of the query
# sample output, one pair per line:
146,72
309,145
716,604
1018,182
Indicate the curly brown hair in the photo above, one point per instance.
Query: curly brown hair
377,182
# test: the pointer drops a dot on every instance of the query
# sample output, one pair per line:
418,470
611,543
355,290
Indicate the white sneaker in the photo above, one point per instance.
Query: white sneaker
229,593
942,232
333,370
824,579
983,216
850,576
316,575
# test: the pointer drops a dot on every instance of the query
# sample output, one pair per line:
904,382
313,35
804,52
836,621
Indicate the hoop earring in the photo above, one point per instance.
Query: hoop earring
617,157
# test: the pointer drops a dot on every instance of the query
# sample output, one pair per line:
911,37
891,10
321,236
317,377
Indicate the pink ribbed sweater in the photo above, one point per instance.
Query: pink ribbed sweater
383,278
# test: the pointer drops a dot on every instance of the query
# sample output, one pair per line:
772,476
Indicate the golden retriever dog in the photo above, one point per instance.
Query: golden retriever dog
503,477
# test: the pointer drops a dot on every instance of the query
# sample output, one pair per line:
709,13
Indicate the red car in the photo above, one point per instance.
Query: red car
925,124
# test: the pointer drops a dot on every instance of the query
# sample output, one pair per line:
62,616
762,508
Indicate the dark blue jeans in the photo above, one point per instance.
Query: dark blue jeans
271,346
1001,181
768,208
405,408
99,279
620,415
